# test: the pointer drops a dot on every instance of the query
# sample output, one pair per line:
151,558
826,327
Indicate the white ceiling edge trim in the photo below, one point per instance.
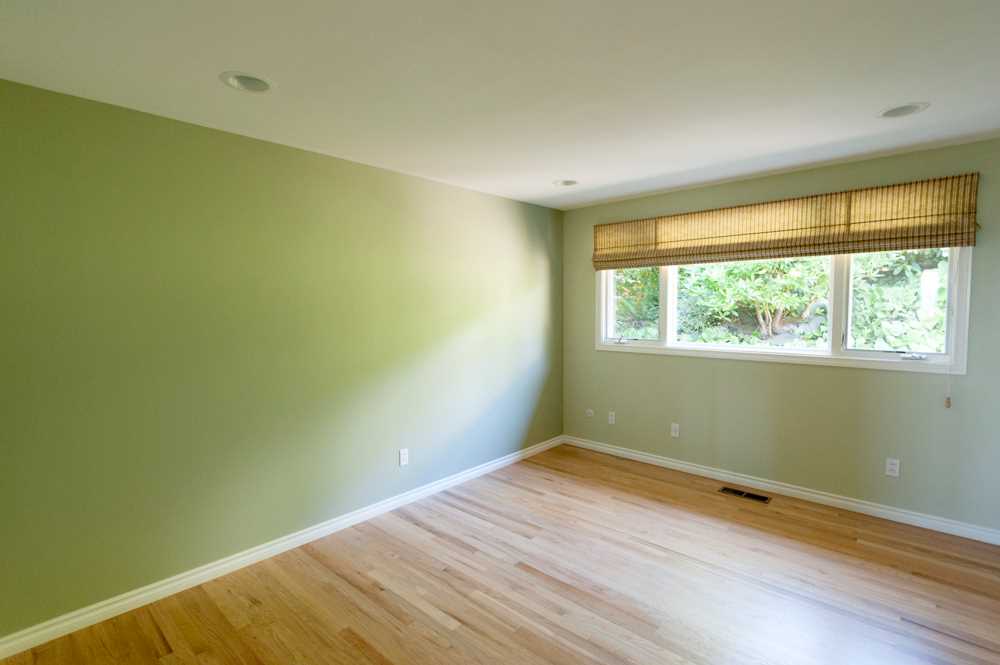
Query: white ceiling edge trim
698,184
811,166
293,146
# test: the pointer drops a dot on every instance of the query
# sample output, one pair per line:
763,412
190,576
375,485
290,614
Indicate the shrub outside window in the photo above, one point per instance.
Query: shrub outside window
899,301
778,303
636,304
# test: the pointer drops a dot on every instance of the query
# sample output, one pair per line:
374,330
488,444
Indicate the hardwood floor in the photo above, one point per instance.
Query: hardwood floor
577,557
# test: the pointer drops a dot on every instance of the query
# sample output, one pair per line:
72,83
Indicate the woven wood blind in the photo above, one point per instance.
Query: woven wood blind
916,215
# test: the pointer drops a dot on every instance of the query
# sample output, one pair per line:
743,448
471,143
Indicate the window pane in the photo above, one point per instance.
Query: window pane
899,301
637,303
773,303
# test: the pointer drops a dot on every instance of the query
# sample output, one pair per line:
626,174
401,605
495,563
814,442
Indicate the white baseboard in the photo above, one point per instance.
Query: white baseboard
942,524
88,616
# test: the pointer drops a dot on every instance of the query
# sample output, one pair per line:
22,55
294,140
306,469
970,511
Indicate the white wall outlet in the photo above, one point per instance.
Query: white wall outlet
404,456
675,430
892,467
611,417
590,413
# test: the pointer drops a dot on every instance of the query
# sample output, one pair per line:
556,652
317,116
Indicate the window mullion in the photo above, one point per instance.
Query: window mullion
671,304
954,297
607,304
612,311
839,299
664,289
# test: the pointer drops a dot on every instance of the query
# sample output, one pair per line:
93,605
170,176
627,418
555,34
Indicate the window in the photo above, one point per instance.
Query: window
899,301
780,303
635,301
896,310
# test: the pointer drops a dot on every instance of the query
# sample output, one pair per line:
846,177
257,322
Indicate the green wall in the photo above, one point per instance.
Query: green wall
826,428
209,342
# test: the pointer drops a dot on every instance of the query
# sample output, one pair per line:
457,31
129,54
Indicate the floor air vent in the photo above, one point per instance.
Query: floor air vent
746,495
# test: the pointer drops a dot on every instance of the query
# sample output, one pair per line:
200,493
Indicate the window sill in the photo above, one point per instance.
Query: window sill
795,358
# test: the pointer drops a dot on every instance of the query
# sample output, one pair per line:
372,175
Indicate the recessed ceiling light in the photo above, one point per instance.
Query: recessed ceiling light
904,110
564,183
244,82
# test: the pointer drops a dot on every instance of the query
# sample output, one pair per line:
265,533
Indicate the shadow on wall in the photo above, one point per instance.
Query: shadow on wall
470,399
316,434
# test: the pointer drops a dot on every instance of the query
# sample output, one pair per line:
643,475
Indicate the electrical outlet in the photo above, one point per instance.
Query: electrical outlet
404,456
611,417
590,413
675,430
892,467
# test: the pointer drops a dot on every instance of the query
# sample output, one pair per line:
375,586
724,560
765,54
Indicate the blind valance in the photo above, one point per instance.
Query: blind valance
916,215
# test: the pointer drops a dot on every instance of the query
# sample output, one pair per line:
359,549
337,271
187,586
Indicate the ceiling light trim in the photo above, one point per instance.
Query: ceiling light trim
904,110
245,82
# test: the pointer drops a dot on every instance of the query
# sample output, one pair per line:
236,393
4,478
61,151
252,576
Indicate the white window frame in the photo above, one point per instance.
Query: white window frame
953,361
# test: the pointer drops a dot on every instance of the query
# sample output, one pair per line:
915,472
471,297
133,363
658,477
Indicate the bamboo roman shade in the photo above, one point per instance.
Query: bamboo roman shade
916,215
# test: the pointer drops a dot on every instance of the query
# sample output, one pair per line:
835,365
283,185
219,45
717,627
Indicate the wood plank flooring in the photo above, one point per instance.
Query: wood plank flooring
577,557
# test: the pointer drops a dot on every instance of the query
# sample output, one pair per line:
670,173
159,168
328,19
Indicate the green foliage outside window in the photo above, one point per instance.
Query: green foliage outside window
637,303
781,302
899,300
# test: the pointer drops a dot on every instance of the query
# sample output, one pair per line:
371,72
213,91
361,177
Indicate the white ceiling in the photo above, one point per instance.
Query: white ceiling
506,96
